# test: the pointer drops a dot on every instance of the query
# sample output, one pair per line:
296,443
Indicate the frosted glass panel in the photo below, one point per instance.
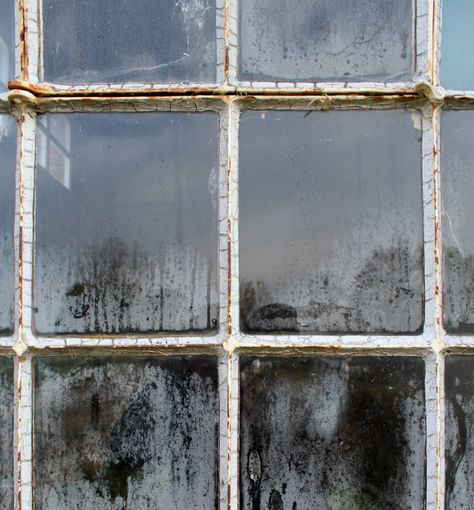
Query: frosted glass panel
126,227
457,181
331,230
320,40
8,136
117,41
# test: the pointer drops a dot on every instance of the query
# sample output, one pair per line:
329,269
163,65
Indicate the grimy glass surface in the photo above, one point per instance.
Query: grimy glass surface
7,483
123,433
330,229
7,43
459,391
8,134
114,41
457,45
332,433
126,223
457,180
320,40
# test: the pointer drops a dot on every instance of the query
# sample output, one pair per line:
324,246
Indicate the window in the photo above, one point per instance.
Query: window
235,254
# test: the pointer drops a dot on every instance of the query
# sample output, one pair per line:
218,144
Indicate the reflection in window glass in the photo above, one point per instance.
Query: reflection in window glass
317,40
459,432
7,211
126,433
7,485
339,433
457,48
120,41
457,154
126,227
7,43
331,222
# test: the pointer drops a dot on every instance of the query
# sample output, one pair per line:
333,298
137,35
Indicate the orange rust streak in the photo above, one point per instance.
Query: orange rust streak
25,74
227,62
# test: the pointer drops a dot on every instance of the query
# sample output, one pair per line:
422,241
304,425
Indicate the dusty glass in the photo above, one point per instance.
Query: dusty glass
331,234
117,41
8,134
126,223
7,43
121,433
320,40
332,432
459,392
457,45
7,479
457,182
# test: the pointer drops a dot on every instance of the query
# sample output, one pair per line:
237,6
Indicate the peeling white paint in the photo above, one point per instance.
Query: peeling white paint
419,93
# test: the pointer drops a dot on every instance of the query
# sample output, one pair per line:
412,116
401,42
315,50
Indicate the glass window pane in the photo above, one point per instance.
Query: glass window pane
126,433
8,134
459,391
457,153
7,43
332,433
126,227
331,237
7,479
457,48
320,40
120,41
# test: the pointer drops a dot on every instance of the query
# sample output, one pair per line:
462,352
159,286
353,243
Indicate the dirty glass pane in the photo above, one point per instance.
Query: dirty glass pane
332,433
331,222
459,392
7,484
7,43
113,434
126,226
457,154
457,48
320,40
121,41
8,133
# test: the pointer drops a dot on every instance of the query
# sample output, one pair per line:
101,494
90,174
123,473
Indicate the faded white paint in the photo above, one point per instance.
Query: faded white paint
432,344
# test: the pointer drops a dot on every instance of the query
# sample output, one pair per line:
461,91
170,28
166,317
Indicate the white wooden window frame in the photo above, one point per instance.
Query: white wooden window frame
28,96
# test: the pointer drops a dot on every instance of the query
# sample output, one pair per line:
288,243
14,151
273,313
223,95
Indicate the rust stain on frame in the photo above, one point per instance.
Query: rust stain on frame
23,16
422,89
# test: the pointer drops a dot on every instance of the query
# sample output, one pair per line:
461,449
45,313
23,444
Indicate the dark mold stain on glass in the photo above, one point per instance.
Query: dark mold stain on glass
140,195
459,391
331,222
8,138
126,433
7,484
332,432
273,317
